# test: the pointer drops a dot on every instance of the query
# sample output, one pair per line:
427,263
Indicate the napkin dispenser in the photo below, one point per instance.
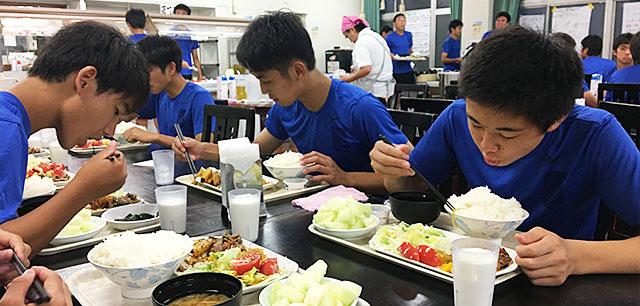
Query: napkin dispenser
240,167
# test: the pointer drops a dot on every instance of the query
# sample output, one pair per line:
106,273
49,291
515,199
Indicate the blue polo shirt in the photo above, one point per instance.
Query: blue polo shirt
486,34
588,158
345,128
401,45
599,65
186,109
628,75
16,128
452,48
135,38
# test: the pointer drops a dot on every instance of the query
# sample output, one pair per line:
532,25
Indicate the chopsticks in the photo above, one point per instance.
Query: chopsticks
418,174
36,293
192,167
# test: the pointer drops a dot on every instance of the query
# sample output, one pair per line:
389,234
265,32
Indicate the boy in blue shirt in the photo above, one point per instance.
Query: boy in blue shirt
135,21
86,79
621,50
502,21
334,124
591,60
631,74
525,137
401,42
187,45
173,99
451,48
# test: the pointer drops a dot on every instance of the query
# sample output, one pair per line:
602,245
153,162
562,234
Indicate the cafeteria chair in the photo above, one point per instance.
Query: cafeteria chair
628,115
412,124
228,120
407,90
587,78
451,92
623,93
425,105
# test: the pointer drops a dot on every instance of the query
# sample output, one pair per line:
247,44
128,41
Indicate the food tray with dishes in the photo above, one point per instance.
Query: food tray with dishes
210,178
38,152
116,199
94,146
369,246
409,58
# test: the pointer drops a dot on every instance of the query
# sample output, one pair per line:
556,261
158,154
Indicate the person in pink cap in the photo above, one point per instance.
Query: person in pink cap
372,68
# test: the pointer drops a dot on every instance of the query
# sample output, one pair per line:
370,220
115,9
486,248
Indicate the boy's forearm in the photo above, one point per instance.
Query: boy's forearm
616,256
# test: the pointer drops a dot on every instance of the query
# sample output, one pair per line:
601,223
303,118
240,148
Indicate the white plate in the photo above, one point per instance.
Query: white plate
271,182
61,184
51,191
99,212
264,294
284,264
43,152
453,236
75,238
348,234
123,211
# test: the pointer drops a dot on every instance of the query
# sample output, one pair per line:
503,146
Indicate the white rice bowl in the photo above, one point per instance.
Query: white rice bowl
286,159
481,203
37,186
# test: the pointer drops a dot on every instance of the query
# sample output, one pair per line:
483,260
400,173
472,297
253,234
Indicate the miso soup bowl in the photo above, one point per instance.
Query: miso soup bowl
194,283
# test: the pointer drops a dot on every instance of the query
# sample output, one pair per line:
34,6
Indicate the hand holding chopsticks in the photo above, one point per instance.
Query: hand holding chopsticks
192,166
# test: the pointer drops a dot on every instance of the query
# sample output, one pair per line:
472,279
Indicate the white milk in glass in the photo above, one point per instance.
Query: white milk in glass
474,273
173,216
245,211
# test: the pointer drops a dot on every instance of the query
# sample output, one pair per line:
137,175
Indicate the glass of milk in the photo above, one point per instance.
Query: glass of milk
163,166
475,262
244,208
172,206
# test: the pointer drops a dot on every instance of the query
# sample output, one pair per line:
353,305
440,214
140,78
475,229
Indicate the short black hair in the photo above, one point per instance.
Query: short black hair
120,68
634,45
386,29
183,7
561,37
520,72
273,41
454,24
622,39
399,15
505,15
161,51
359,27
594,43
135,18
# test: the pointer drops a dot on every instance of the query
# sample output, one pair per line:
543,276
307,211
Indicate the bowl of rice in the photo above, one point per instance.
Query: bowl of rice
123,127
483,214
139,262
36,186
285,165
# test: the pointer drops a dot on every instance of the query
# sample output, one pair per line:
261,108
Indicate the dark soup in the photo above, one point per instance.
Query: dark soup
200,299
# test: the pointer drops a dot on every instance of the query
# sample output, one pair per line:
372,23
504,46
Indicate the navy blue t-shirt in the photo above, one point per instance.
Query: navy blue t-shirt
452,48
588,158
187,109
345,128
135,38
599,65
401,45
16,127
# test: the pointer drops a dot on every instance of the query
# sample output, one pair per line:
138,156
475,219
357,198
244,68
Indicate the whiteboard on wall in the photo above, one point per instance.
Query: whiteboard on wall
573,20
419,24
534,22
631,17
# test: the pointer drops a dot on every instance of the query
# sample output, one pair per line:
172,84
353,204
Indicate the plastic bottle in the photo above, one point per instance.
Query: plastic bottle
241,89
232,90
595,80
18,66
224,88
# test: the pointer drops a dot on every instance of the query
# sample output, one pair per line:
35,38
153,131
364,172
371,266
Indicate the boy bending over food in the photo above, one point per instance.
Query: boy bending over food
520,133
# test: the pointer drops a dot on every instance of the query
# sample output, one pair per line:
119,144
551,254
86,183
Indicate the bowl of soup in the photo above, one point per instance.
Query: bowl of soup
206,288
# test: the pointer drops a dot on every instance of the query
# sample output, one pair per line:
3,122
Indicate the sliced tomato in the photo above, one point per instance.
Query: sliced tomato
269,266
429,256
245,263
409,251
30,173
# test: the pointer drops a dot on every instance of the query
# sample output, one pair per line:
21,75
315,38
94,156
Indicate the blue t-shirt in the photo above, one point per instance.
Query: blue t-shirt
401,45
628,75
588,158
187,109
345,128
135,38
486,34
16,127
599,65
452,48
585,86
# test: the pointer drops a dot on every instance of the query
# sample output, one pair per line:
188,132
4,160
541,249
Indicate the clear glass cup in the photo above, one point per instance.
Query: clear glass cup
163,163
475,262
244,210
172,207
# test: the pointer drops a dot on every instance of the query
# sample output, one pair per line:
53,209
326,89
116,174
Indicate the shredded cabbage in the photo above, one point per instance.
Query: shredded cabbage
390,237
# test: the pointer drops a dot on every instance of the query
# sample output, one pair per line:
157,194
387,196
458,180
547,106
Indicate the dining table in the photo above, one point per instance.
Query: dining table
284,231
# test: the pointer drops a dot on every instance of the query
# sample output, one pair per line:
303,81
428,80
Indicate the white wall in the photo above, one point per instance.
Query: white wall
477,17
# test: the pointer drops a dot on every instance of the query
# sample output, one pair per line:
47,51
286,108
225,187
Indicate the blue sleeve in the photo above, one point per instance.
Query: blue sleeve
375,120
149,109
194,45
486,34
273,124
606,78
434,156
585,87
410,40
197,112
446,47
614,162
389,41
12,160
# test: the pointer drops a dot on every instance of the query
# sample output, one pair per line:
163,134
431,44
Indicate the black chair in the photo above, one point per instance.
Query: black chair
628,115
408,90
228,122
428,105
451,92
623,93
587,78
412,124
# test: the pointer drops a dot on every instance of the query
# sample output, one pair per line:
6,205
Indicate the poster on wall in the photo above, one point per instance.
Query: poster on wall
631,17
419,23
534,22
573,20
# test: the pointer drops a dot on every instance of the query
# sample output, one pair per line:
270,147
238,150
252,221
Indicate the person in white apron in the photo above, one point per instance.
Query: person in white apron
372,67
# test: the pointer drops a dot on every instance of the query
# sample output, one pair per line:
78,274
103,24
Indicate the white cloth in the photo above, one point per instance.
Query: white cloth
371,50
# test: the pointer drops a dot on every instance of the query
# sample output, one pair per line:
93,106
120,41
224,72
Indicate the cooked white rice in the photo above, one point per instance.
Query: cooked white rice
123,126
36,185
130,250
480,203
286,159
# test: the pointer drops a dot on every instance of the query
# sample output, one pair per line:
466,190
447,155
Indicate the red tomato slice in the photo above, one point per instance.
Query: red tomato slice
409,251
245,263
269,266
429,256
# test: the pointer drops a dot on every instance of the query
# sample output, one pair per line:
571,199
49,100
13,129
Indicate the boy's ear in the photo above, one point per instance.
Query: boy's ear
85,77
